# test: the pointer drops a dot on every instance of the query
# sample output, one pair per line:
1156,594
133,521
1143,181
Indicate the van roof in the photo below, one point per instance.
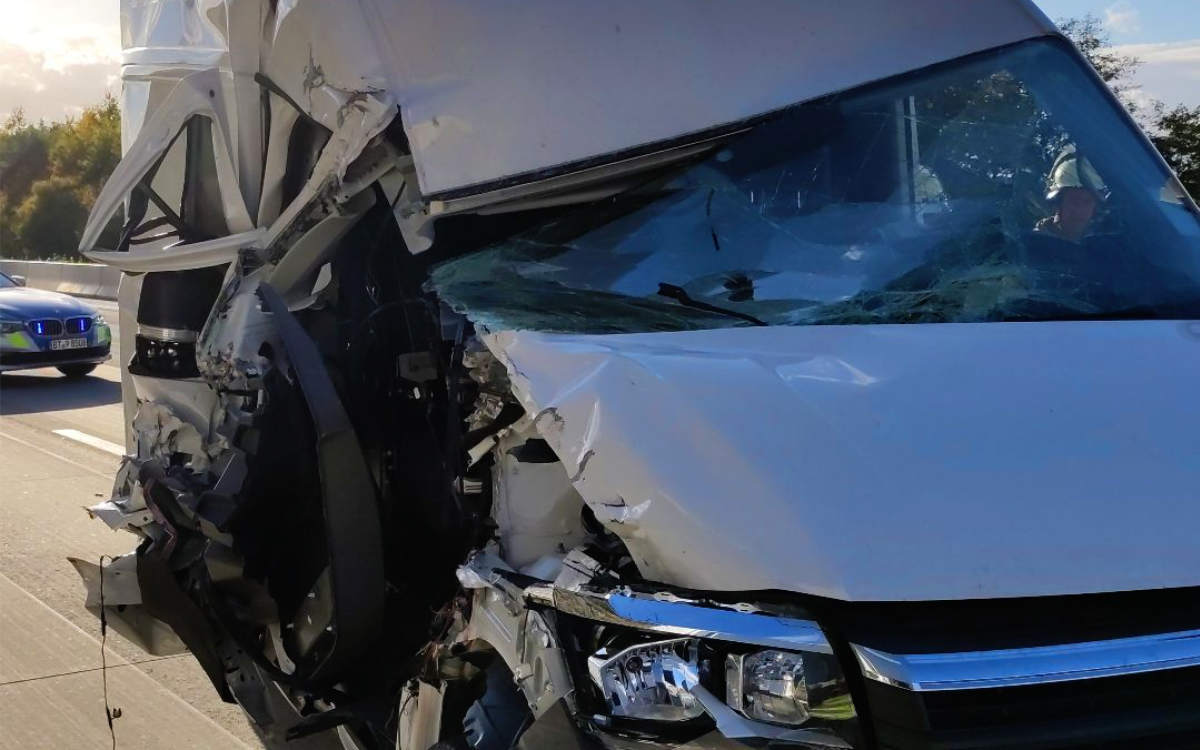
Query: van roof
493,91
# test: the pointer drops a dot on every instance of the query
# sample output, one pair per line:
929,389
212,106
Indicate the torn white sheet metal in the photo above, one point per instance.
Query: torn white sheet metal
339,94
886,462
126,509
122,600
205,254
194,96
161,435
115,515
493,90
230,349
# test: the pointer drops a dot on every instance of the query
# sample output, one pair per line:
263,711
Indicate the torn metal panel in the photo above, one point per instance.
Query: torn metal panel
324,58
122,603
164,437
193,96
206,254
126,508
231,351
774,458
524,638
296,271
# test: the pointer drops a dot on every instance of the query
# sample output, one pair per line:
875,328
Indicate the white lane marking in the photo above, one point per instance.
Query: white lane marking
52,454
92,440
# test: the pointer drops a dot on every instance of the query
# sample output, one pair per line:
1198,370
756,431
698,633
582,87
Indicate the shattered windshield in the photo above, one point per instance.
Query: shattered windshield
1004,187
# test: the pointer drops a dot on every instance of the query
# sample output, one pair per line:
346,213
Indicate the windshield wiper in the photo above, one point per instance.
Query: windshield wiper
677,293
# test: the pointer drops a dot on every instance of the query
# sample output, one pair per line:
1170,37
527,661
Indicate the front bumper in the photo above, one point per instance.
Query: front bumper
33,360
26,351
556,729
1087,671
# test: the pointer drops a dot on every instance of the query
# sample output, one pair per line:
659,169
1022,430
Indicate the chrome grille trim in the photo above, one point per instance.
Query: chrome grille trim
971,670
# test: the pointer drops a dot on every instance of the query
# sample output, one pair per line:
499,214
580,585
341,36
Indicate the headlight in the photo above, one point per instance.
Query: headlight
11,326
650,681
665,665
99,320
788,688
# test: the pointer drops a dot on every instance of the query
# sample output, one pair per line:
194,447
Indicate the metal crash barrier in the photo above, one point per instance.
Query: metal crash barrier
81,279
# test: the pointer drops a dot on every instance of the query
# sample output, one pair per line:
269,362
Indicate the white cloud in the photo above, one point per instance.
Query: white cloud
1170,71
51,88
1122,18
58,56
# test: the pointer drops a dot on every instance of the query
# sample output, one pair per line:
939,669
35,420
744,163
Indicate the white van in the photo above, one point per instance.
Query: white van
633,374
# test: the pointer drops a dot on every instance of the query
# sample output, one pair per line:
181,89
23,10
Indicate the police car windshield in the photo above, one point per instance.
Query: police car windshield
1006,186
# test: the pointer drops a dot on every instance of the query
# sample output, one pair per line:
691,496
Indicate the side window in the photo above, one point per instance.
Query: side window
179,199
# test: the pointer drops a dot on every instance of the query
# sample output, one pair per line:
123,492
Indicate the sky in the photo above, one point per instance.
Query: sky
58,56
1163,34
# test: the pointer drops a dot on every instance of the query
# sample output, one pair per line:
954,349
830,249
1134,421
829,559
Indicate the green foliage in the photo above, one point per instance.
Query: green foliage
1176,131
1177,136
89,148
24,154
1093,41
51,218
49,176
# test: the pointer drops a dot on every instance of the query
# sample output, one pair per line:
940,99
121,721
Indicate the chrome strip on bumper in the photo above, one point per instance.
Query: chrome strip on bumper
1031,666
684,618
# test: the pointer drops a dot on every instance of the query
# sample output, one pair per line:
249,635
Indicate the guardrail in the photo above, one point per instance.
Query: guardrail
83,279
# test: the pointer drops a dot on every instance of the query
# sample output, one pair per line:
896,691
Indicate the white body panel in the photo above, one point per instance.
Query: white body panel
903,462
492,90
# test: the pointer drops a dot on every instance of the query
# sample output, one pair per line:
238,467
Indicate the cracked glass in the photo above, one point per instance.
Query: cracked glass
1003,187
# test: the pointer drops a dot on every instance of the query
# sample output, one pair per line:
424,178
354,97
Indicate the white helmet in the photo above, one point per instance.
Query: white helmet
1071,170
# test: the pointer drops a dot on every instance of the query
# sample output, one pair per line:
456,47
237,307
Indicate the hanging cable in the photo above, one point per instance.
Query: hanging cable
110,714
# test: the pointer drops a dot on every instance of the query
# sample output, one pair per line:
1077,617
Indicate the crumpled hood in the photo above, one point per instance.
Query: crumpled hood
885,462
23,303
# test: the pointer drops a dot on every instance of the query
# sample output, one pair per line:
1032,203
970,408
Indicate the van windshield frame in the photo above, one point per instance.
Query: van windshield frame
1006,186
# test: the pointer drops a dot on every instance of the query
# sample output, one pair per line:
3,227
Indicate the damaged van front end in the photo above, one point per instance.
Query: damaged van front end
670,375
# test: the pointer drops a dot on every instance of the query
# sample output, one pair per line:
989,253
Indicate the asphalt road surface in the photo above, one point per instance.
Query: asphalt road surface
60,441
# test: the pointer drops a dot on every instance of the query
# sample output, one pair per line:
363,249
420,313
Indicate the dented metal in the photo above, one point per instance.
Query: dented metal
404,428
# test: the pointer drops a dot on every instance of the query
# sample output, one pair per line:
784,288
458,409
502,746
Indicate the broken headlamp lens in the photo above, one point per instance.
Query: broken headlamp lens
650,680
787,687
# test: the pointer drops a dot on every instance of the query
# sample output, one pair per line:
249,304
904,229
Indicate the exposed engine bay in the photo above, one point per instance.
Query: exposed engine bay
391,488
345,512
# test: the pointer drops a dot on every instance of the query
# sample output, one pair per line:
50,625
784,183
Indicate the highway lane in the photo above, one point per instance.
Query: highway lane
57,443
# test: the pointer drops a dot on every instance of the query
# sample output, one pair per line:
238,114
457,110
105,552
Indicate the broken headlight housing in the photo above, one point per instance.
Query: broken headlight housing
671,668
650,680
788,688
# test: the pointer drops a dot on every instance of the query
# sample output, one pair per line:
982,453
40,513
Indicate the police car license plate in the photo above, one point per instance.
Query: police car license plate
59,344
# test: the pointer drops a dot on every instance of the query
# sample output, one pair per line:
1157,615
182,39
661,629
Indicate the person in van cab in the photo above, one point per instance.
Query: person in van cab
1075,190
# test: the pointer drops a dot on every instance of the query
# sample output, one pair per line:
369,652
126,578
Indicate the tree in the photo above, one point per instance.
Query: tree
24,154
1177,136
49,176
1115,69
1175,131
50,220
89,148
